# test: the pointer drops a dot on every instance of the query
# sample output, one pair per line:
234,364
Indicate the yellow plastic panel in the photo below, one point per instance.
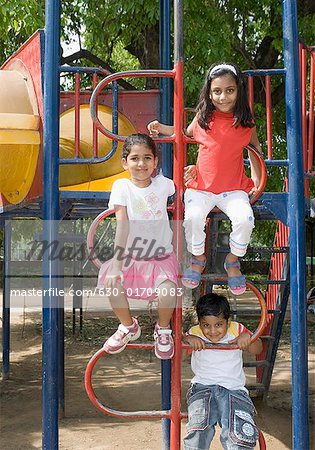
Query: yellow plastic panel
74,173
19,121
15,137
103,184
19,135
111,167
17,169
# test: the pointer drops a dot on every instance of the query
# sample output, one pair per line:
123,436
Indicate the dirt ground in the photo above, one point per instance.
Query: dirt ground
128,381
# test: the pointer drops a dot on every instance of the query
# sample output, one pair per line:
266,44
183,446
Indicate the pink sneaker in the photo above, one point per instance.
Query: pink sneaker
164,344
118,341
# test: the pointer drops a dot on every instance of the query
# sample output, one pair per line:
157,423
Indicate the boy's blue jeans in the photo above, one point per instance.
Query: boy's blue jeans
232,410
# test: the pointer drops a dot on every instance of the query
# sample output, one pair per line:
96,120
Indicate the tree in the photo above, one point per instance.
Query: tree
125,34
18,21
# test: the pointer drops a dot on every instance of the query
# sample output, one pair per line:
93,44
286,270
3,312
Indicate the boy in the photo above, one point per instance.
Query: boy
217,393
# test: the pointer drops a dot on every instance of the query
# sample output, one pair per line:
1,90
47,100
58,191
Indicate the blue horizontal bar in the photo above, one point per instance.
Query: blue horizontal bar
276,162
272,162
84,195
260,72
87,160
79,69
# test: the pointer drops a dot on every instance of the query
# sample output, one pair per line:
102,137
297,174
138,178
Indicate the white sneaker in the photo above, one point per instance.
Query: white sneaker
118,341
164,344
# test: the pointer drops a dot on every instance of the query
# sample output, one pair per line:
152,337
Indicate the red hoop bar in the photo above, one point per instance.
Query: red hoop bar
109,79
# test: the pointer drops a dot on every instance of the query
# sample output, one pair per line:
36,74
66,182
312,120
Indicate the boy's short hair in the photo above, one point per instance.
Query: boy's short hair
213,305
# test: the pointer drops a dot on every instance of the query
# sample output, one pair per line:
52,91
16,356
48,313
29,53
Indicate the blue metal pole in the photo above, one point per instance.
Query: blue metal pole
61,347
50,232
6,301
166,114
167,168
296,219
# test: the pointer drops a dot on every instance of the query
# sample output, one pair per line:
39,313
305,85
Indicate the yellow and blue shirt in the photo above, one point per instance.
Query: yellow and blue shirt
220,367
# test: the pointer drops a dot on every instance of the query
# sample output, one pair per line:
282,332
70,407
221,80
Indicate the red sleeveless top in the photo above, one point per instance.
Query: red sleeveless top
220,164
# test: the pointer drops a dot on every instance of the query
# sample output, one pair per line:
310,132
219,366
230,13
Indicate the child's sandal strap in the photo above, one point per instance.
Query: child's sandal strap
198,263
191,278
235,264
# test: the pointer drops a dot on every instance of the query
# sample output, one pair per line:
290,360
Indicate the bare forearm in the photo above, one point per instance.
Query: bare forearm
168,130
256,347
122,230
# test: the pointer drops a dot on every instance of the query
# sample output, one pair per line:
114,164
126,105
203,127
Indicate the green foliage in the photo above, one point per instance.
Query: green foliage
115,22
18,21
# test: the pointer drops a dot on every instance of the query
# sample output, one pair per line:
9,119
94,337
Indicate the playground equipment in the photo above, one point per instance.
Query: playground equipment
51,203
19,133
87,177
21,129
170,414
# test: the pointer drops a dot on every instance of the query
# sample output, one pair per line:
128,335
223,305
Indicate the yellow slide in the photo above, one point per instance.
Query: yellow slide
20,143
19,135
90,177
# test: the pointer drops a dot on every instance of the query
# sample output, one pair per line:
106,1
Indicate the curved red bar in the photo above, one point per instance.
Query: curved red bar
91,233
116,76
112,412
262,442
160,414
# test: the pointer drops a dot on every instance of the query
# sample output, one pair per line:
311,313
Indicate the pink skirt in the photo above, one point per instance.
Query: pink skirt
142,278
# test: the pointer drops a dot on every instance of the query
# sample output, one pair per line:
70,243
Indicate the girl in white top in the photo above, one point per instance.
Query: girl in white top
144,265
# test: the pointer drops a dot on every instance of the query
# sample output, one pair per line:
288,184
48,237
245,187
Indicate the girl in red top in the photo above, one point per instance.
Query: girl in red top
223,126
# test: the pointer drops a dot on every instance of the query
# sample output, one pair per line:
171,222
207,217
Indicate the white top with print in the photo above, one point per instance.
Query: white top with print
221,367
149,227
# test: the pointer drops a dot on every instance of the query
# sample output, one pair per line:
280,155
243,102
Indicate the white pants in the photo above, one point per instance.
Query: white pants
234,204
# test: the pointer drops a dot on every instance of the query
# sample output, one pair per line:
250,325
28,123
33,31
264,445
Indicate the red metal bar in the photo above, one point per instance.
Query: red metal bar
303,101
275,273
311,113
95,131
112,412
269,116
262,442
109,79
300,56
303,63
77,115
178,241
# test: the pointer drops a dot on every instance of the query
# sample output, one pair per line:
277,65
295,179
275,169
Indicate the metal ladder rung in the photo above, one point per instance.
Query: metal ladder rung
246,312
258,387
267,337
262,363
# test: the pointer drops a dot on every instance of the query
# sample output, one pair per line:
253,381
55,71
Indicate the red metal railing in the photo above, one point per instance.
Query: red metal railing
174,414
265,77
307,76
77,73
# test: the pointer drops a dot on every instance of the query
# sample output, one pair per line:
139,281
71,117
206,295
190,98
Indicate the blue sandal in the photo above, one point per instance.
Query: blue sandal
191,278
237,284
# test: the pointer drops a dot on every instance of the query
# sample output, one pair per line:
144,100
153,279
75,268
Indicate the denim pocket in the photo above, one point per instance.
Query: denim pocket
198,409
242,430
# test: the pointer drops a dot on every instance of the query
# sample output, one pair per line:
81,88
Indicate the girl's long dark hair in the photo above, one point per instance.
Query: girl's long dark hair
205,107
